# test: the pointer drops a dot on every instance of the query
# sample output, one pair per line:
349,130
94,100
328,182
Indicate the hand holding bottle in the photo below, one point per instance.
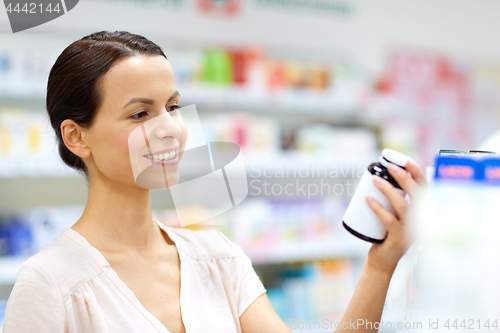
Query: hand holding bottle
385,256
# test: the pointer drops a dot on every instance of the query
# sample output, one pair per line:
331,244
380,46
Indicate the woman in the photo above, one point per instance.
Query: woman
118,270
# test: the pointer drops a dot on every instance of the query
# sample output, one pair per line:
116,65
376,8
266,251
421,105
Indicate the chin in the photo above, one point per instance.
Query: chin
153,178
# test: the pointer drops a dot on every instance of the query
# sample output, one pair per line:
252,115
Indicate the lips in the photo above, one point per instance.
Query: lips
168,150
165,157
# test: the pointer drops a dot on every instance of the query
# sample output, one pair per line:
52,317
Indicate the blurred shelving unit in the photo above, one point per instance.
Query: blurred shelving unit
308,250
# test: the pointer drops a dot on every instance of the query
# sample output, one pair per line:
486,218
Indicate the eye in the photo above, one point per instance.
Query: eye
135,116
173,109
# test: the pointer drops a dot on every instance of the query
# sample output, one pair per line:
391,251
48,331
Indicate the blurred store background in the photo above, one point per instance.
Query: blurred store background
317,87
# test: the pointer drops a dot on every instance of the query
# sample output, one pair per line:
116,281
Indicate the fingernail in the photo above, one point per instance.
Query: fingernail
378,181
369,199
394,169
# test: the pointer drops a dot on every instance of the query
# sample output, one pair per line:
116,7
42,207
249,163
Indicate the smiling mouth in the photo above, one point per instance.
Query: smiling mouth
162,157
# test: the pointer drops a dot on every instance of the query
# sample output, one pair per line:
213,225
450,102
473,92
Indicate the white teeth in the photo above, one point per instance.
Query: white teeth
166,156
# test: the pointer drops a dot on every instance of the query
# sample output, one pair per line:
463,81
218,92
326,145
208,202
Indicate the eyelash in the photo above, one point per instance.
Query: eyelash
144,111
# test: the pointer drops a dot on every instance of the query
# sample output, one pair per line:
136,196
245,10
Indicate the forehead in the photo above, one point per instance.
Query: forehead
138,76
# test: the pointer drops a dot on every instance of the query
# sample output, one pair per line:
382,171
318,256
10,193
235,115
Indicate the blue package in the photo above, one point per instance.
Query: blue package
3,305
468,168
21,238
491,170
4,239
463,168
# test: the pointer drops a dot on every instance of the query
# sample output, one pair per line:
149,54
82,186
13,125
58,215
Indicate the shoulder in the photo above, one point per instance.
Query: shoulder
205,244
63,262
36,297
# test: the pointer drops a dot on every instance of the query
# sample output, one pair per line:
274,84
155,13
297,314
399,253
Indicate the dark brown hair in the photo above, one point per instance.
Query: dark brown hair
73,90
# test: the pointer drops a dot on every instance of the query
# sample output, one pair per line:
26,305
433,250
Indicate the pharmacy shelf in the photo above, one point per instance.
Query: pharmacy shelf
306,250
71,189
10,266
297,160
28,102
299,116
355,116
257,162
24,192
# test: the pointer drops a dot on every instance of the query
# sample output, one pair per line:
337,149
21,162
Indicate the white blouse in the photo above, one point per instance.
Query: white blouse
70,287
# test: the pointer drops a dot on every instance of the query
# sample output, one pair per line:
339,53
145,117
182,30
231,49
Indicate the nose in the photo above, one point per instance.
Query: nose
166,126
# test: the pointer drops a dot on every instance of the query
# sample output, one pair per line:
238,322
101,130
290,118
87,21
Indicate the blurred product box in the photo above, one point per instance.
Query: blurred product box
26,232
313,292
484,168
264,223
3,305
341,143
28,145
16,238
254,135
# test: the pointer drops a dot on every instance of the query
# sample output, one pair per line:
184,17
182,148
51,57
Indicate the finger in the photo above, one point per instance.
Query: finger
395,198
415,171
390,222
405,180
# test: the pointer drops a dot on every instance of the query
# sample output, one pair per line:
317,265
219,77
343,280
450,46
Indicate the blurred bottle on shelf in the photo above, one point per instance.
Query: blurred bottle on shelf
337,143
255,135
28,145
16,238
312,292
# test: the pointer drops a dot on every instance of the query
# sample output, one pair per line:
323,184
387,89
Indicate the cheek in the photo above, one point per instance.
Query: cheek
110,150
184,135
124,149
136,148
122,142
182,139
135,141
113,141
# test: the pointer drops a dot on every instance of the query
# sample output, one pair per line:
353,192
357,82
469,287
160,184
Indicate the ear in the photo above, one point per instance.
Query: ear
72,135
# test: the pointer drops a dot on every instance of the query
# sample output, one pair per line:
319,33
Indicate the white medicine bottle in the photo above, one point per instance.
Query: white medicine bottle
359,219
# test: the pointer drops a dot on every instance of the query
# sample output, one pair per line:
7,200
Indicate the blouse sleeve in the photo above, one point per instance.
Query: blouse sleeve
247,284
35,304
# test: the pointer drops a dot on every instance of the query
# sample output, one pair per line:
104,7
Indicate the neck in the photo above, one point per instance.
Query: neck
118,219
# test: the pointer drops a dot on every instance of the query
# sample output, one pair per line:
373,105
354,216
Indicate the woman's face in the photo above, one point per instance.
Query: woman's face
139,97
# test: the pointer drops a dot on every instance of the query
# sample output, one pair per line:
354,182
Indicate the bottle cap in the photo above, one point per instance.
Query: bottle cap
451,152
482,152
392,156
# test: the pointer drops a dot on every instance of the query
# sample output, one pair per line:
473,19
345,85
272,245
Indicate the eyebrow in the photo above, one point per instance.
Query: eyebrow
149,101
